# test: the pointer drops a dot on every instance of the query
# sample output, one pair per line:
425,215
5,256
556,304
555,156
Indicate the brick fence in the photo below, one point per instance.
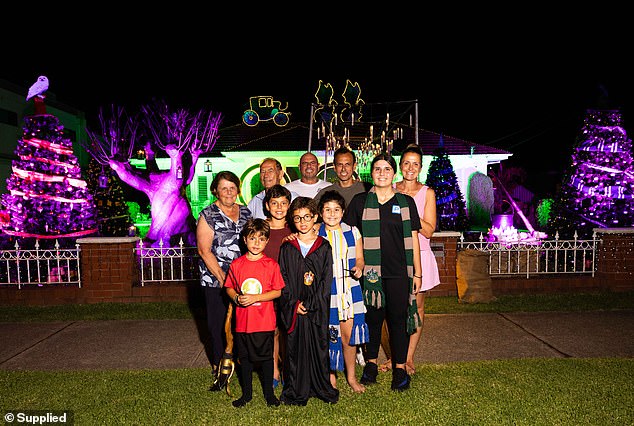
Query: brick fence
110,274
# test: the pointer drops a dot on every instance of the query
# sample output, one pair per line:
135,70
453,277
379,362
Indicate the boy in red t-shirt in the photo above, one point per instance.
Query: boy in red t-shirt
254,280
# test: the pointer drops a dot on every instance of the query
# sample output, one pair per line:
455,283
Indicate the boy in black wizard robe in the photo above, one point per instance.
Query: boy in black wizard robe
306,265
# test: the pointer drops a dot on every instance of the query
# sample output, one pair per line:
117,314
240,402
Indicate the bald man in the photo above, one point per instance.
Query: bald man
307,185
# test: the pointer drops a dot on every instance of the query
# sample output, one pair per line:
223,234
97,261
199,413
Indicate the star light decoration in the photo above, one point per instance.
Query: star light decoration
340,124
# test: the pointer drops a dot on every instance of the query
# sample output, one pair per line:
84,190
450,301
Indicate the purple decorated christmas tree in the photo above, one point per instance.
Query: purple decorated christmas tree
598,188
47,197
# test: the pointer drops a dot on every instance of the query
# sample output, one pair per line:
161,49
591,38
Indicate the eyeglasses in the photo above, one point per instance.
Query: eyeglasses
305,218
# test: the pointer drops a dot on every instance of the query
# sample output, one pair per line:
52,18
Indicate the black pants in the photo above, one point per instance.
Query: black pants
395,313
255,351
217,305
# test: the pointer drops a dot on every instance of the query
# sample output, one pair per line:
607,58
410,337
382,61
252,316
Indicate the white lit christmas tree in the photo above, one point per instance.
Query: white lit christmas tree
47,196
598,188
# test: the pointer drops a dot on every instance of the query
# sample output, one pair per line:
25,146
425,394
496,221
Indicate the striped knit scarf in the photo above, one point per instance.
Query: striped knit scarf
373,294
344,291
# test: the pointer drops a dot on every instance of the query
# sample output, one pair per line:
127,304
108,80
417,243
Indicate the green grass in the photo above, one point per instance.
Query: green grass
534,303
558,391
97,311
510,392
433,305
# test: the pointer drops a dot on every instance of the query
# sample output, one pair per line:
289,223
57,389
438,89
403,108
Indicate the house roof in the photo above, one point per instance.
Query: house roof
267,136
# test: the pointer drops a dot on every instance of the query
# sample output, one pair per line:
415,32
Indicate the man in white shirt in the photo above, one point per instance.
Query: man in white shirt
271,173
307,185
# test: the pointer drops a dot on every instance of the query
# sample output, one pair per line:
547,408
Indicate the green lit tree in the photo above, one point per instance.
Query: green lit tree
113,215
450,205
481,200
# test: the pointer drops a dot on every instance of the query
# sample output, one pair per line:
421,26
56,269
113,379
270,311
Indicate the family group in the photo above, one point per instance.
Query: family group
319,275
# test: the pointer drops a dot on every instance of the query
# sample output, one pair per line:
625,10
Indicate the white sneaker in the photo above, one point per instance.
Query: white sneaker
360,359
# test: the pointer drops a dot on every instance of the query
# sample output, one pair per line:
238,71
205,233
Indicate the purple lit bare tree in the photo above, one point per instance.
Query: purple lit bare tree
183,136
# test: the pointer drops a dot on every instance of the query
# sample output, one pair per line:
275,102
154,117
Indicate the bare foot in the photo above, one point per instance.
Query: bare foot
333,381
357,387
409,367
386,366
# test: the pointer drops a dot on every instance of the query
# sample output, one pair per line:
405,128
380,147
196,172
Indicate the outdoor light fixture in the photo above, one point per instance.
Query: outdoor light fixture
179,172
103,179
208,165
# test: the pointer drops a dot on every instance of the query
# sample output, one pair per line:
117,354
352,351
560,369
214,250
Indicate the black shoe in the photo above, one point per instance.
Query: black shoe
272,401
297,403
215,387
400,379
370,371
240,402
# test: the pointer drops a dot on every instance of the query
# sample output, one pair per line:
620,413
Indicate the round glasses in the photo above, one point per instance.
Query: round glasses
305,218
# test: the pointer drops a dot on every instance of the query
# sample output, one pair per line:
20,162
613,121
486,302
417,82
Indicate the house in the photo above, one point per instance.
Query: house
241,148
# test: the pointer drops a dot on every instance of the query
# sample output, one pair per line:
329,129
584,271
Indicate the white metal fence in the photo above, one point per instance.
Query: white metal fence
538,257
40,266
167,264
177,264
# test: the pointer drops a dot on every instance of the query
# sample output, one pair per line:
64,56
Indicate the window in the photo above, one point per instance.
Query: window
203,188
8,117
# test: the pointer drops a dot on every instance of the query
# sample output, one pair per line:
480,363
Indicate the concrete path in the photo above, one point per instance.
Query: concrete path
170,344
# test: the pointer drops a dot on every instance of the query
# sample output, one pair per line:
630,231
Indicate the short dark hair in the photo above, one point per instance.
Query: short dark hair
344,150
384,156
331,195
226,175
256,226
301,203
275,191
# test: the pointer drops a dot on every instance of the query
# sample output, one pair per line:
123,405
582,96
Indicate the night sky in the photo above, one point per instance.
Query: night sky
527,101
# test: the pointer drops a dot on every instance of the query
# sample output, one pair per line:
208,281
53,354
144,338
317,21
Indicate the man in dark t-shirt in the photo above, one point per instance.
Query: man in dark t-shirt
345,164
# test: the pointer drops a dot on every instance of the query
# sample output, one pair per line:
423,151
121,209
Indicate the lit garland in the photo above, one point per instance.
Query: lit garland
56,148
68,166
613,191
610,169
31,194
599,147
78,183
30,235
